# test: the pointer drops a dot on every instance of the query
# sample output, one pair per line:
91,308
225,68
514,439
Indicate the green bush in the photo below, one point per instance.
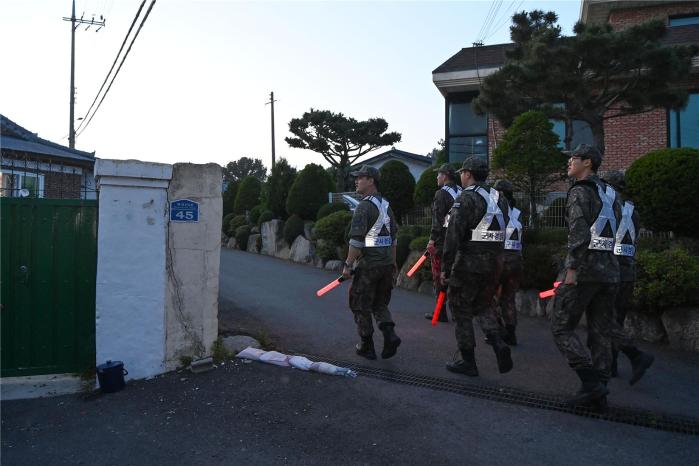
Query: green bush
225,223
265,216
333,227
276,188
248,195
419,243
326,250
293,227
664,187
229,198
235,222
666,279
541,264
309,192
398,186
254,214
403,239
327,209
242,234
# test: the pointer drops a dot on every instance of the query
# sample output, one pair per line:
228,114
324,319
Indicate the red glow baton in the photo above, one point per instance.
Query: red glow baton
438,307
549,293
417,264
333,284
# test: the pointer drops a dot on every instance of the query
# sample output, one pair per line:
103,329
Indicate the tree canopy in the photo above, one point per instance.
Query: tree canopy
243,167
248,195
341,140
276,188
592,76
309,192
397,185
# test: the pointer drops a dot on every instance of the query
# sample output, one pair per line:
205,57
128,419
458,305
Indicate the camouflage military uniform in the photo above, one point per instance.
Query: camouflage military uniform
472,268
597,275
370,291
441,205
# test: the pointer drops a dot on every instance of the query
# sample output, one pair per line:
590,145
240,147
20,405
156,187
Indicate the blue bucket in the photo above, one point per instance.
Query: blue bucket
111,376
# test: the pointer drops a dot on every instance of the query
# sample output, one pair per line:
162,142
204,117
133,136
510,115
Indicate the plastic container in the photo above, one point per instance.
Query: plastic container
111,376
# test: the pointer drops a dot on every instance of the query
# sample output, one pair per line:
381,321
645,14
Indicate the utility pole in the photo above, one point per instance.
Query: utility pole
90,22
271,101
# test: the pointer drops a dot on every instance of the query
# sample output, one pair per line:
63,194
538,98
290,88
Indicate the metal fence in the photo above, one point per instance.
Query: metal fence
45,178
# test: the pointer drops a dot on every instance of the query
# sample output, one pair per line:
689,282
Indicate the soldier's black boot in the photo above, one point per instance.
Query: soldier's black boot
366,348
390,340
592,390
466,366
502,353
510,337
640,362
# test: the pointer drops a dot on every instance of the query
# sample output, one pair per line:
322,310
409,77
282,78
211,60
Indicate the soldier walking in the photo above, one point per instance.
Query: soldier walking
372,254
625,251
591,277
512,265
444,198
472,262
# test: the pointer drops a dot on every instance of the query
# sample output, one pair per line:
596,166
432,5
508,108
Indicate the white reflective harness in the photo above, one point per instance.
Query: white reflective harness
513,225
454,193
482,231
606,215
626,226
373,237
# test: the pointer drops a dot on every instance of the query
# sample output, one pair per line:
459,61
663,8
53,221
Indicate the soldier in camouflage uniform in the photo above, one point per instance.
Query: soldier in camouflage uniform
625,251
372,253
472,262
512,266
591,277
444,198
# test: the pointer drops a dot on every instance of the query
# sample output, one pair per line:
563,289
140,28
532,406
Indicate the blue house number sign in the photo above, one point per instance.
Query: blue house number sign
184,210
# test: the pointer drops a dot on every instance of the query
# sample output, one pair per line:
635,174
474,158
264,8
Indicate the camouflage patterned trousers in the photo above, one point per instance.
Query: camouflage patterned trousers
474,299
436,261
596,301
369,295
509,284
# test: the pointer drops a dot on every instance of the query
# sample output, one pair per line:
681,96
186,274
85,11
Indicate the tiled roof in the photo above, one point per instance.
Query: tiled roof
15,137
398,154
470,58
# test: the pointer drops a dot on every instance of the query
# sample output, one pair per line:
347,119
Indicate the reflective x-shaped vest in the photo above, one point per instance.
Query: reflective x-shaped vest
606,217
373,238
626,226
513,225
482,231
454,193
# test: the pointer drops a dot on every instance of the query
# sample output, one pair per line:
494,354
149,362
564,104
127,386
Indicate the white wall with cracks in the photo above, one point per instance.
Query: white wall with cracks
157,281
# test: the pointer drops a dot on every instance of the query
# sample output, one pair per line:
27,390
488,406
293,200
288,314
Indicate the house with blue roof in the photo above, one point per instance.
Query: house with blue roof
34,167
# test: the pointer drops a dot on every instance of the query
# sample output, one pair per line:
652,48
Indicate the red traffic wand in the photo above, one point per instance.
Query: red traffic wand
438,307
417,264
333,284
549,293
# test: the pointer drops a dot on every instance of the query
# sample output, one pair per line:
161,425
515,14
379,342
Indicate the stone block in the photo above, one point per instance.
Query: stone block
302,251
682,327
645,327
334,265
253,241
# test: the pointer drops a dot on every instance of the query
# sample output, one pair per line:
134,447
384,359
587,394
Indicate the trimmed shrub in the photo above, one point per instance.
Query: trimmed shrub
293,227
333,227
541,265
235,222
241,236
254,214
419,243
664,188
397,185
225,223
248,195
265,216
276,190
666,279
403,239
326,251
327,209
229,197
309,192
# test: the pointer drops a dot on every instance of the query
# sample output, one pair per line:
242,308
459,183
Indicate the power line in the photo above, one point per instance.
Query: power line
150,7
487,16
506,18
133,23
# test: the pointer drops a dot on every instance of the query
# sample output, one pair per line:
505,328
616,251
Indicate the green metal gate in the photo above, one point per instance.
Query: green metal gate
47,281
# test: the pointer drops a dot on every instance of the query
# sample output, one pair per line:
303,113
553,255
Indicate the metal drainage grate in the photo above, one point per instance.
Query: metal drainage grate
635,417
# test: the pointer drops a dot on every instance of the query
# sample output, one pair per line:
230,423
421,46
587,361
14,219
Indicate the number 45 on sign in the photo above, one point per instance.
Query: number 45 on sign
184,210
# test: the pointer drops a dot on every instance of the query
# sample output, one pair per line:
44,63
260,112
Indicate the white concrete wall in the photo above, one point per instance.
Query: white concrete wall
193,255
131,277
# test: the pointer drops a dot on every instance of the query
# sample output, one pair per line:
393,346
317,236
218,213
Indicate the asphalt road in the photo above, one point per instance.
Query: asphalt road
264,294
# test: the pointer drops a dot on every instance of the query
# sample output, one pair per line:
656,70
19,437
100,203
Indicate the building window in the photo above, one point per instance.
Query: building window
683,125
21,184
582,134
684,20
467,132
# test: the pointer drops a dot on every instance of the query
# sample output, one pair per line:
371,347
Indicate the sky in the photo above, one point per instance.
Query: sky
193,87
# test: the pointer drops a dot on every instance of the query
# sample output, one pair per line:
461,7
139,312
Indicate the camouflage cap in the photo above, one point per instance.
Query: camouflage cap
447,169
586,151
616,179
504,185
366,170
473,164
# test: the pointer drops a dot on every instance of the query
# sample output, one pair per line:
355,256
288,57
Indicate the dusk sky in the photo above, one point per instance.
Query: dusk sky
194,86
